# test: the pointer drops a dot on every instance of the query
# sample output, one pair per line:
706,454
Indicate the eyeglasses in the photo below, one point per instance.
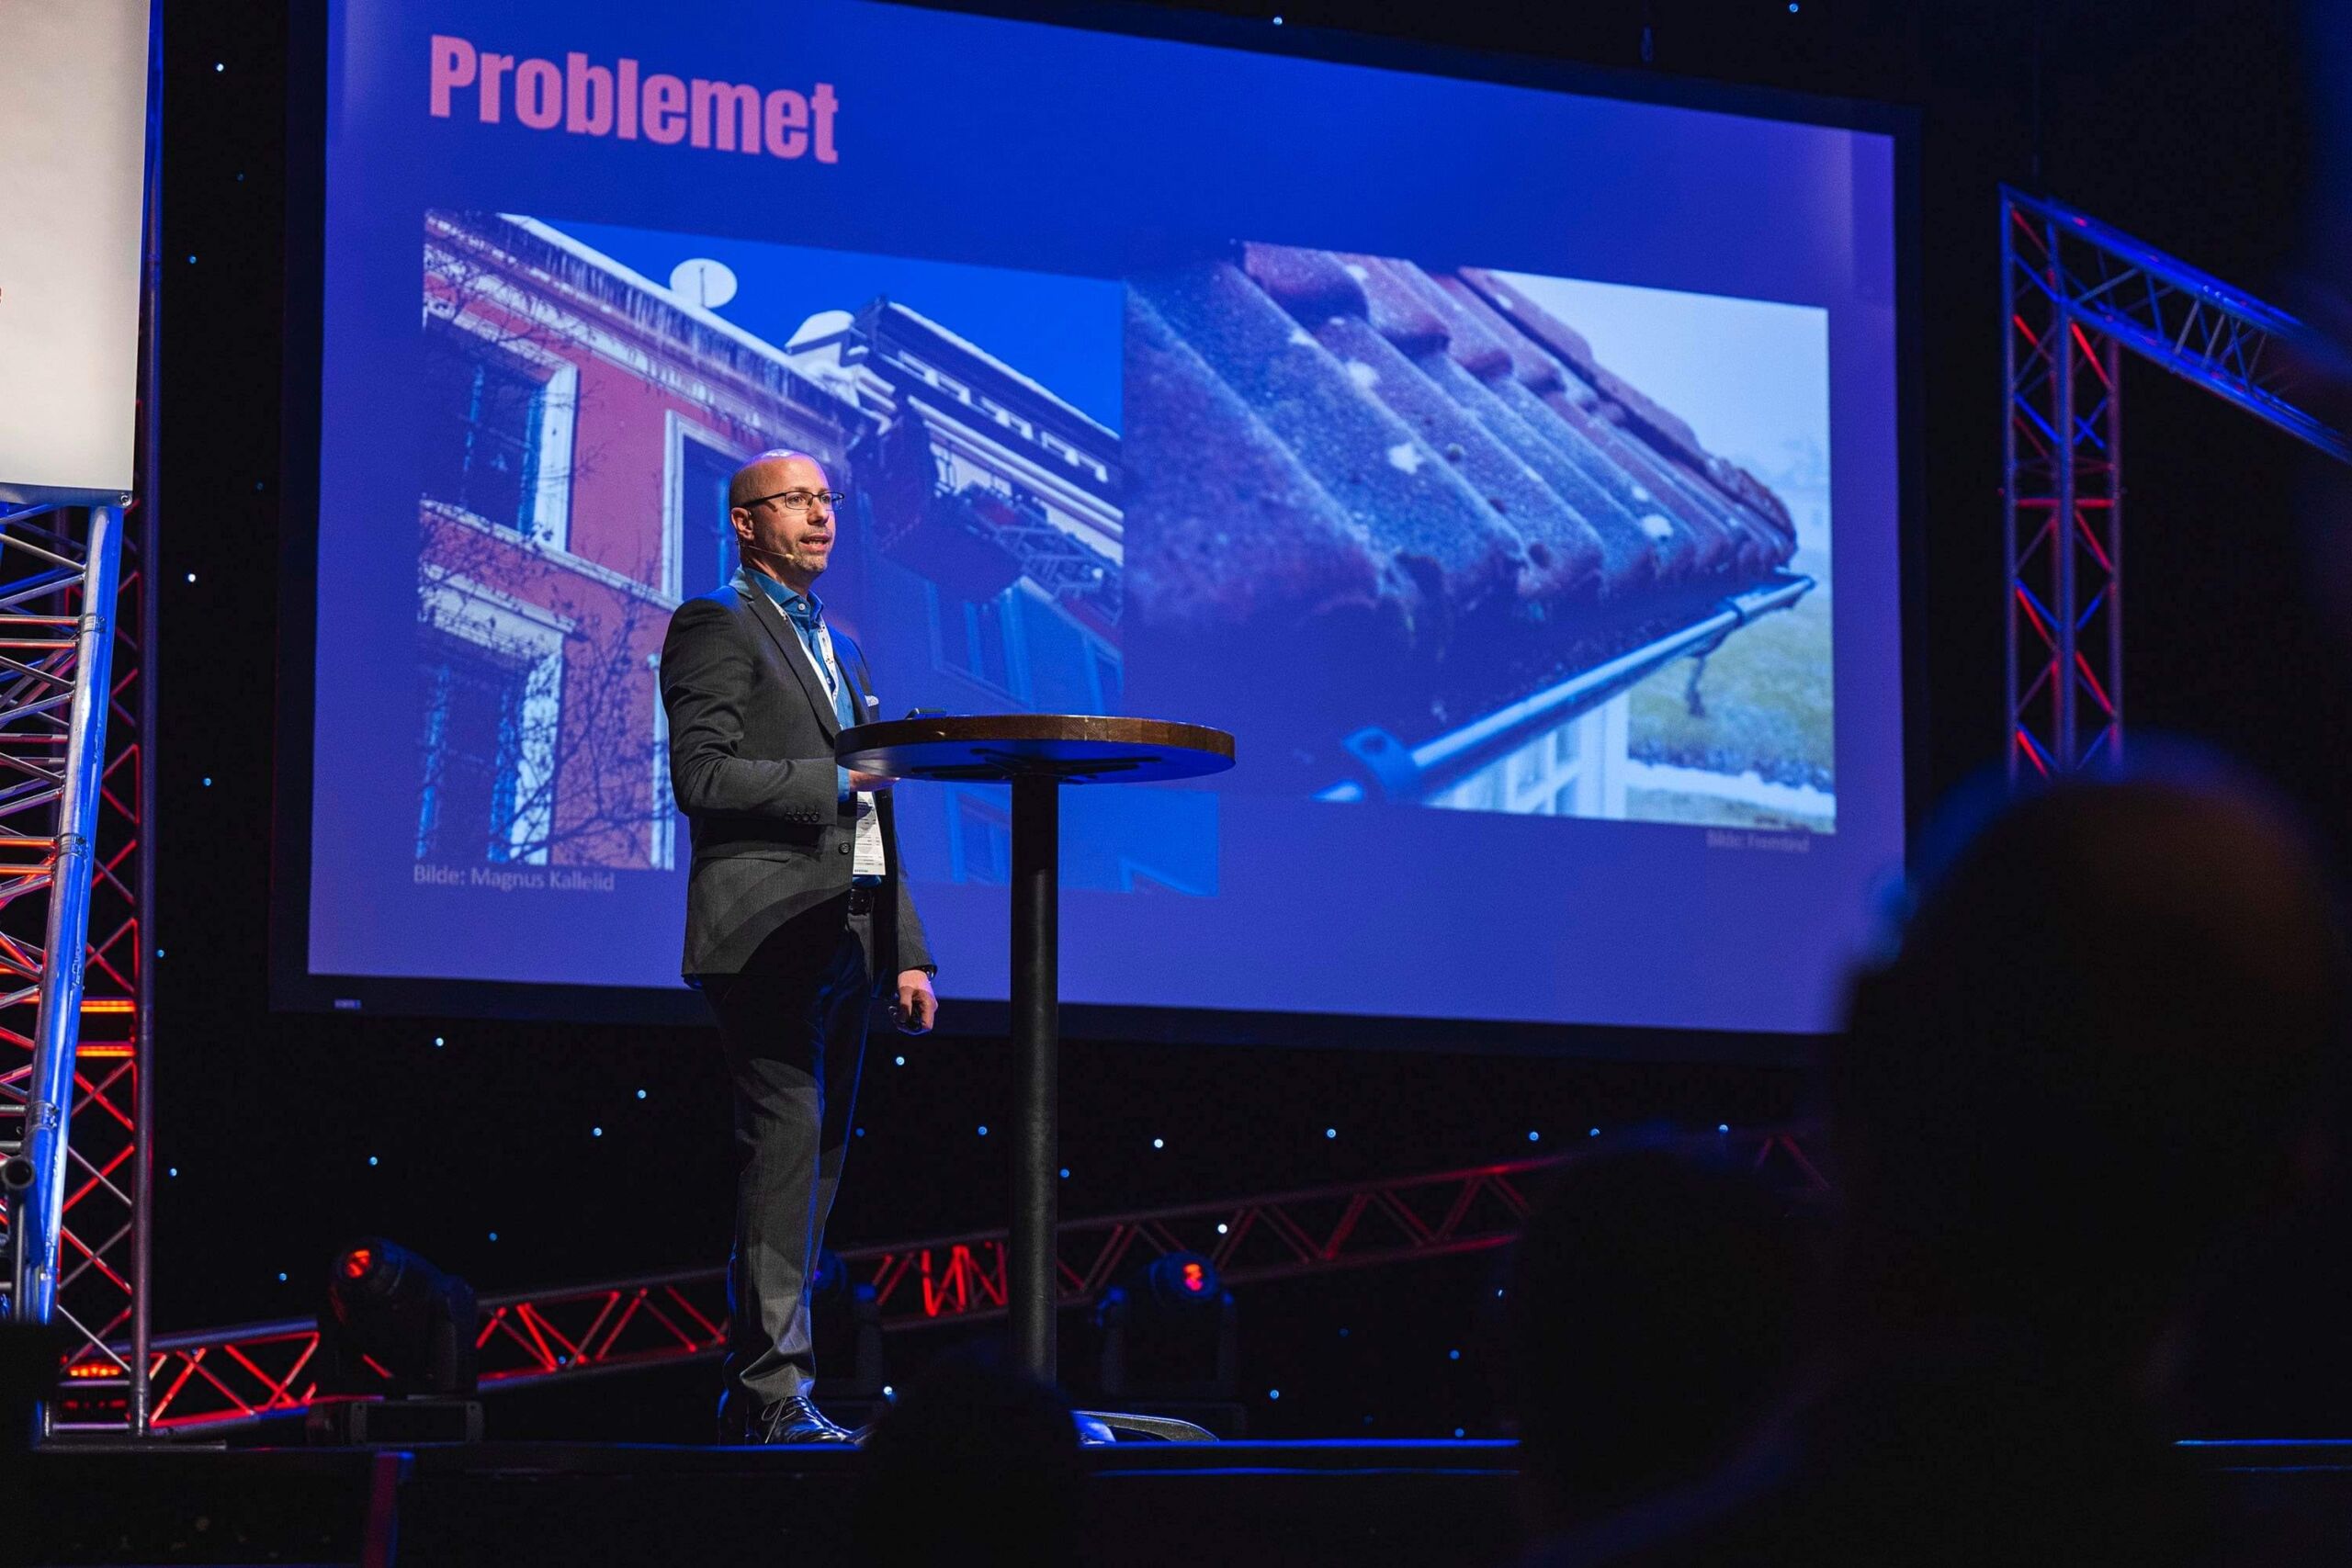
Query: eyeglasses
799,500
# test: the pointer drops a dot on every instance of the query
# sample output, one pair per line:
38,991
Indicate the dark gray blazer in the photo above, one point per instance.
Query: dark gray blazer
751,733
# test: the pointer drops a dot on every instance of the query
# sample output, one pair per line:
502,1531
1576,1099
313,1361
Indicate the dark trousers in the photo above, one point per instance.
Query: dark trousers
793,1023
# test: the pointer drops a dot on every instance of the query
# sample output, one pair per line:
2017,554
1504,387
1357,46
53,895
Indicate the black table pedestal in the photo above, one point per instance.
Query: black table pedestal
1030,1288
1036,754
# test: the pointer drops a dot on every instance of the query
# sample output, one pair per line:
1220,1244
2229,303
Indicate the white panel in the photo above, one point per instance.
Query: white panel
73,157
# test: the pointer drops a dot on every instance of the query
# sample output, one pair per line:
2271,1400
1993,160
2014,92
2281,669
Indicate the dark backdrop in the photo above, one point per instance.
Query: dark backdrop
280,1135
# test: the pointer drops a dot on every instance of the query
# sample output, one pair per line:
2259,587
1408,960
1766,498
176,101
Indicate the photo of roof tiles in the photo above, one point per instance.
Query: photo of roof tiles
1352,465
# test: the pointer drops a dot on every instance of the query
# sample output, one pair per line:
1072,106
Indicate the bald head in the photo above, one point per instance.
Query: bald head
782,468
783,521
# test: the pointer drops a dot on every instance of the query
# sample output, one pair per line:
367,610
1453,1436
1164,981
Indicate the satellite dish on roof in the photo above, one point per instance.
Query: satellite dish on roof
703,282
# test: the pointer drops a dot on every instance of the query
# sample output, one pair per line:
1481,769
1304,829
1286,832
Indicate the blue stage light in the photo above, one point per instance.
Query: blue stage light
1182,1280
1169,1331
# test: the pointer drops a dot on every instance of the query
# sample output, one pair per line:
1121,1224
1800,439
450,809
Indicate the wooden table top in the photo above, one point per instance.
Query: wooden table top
1078,748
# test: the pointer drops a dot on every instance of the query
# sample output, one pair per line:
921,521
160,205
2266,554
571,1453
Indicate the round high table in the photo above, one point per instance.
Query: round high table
1036,753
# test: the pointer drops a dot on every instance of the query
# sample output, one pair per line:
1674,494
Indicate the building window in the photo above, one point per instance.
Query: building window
979,841
490,707
1527,768
661,840
486,413
1107,675
471,748
974,640
706,538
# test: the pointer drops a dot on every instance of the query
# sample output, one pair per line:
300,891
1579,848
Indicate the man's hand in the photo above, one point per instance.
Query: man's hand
915,1009
869,781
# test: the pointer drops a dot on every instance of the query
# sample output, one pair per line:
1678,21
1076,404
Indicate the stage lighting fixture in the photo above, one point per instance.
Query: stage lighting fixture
1170,1332
394,1325
396,1350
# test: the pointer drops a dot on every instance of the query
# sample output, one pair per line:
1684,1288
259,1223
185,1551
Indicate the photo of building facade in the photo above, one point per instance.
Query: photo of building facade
581,424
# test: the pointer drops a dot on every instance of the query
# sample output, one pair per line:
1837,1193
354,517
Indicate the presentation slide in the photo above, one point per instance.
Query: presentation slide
1512,471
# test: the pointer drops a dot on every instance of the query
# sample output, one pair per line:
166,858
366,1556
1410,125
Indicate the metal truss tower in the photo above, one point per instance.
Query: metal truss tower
2074,293
73,725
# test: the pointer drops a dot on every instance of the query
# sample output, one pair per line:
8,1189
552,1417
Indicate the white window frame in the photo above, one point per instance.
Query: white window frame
676,431
507,626
558,409
1012,618
661,837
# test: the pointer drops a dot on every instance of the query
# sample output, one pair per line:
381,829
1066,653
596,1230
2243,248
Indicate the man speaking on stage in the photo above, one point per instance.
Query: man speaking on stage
797,916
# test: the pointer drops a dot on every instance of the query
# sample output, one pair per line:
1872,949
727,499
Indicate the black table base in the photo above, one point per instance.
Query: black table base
1031,1287
1036,754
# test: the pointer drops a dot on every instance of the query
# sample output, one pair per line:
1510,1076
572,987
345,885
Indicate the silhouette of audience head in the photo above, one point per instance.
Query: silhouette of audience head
976,1463
2097,1060
2098,1063
1653,1310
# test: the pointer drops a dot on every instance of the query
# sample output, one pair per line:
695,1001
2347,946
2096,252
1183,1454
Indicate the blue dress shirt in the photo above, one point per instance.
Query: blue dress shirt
805,611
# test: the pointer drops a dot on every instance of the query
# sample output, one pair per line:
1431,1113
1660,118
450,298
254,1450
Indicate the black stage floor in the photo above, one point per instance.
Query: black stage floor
1199,1505
1235,1504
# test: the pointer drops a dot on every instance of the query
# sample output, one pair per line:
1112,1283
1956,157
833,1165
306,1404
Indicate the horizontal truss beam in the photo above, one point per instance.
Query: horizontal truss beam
228,1377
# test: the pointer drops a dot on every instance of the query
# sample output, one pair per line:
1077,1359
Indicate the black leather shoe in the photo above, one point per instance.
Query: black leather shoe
795,1420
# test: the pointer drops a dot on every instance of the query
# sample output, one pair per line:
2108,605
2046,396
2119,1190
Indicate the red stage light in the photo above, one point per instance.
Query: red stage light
1196,1280
356,1262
